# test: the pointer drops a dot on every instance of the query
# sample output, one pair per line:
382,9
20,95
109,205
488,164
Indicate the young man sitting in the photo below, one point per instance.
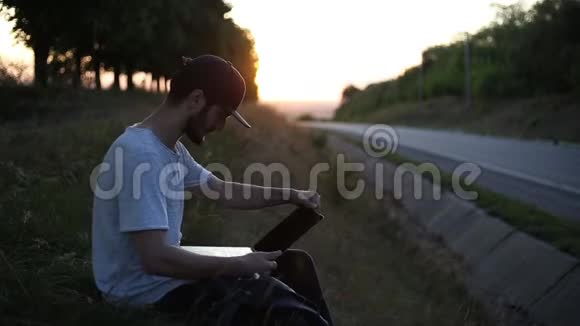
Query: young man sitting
139,200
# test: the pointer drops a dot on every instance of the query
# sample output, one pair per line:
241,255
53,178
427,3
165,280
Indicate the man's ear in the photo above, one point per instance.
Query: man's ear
196,100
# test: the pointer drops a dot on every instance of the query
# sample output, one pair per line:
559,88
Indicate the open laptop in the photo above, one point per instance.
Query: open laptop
281,237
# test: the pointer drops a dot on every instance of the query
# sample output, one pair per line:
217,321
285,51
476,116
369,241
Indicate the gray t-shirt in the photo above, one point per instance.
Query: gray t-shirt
139,186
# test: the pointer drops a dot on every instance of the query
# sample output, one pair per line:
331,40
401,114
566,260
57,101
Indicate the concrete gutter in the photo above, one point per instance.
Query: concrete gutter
505,264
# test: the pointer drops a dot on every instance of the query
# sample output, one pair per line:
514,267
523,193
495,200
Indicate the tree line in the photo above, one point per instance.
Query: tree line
71,37
521,53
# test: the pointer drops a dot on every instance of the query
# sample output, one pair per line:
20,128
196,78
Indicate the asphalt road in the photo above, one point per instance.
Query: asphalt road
539,173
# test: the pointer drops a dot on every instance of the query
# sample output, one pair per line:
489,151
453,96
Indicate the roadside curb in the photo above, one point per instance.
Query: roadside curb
505,265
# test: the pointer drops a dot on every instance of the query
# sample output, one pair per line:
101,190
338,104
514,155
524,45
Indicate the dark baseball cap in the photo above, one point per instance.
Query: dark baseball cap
220,81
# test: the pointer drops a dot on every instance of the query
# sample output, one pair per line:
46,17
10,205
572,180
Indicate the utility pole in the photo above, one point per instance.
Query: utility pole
421,82
467,73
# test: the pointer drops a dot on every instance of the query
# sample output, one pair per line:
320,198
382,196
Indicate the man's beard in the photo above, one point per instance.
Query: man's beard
196,133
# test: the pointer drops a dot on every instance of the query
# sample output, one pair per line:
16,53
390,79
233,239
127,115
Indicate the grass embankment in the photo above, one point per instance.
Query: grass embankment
372,274
563,234
552,118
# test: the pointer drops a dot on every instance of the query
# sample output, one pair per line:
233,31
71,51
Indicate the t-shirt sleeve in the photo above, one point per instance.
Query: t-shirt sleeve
196,174
142,205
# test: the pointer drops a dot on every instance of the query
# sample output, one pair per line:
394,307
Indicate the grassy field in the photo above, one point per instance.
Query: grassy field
548,117
372,273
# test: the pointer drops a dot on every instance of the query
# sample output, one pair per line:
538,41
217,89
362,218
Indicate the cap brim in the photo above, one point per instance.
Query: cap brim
241,119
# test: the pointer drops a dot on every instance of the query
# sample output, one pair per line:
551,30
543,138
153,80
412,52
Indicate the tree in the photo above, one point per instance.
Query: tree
238,48
348,92
128,36
37,24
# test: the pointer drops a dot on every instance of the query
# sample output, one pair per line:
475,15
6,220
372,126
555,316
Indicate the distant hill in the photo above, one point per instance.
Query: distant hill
295,109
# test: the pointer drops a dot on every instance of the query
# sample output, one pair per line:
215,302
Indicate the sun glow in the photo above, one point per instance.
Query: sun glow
310,50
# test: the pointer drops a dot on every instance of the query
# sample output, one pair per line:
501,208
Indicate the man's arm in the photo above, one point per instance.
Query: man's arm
247,196
158,258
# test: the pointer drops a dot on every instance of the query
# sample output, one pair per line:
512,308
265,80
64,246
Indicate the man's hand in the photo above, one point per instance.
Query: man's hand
305,198
259,262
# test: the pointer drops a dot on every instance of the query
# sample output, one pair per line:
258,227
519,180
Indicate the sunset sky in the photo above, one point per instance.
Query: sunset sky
310,50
